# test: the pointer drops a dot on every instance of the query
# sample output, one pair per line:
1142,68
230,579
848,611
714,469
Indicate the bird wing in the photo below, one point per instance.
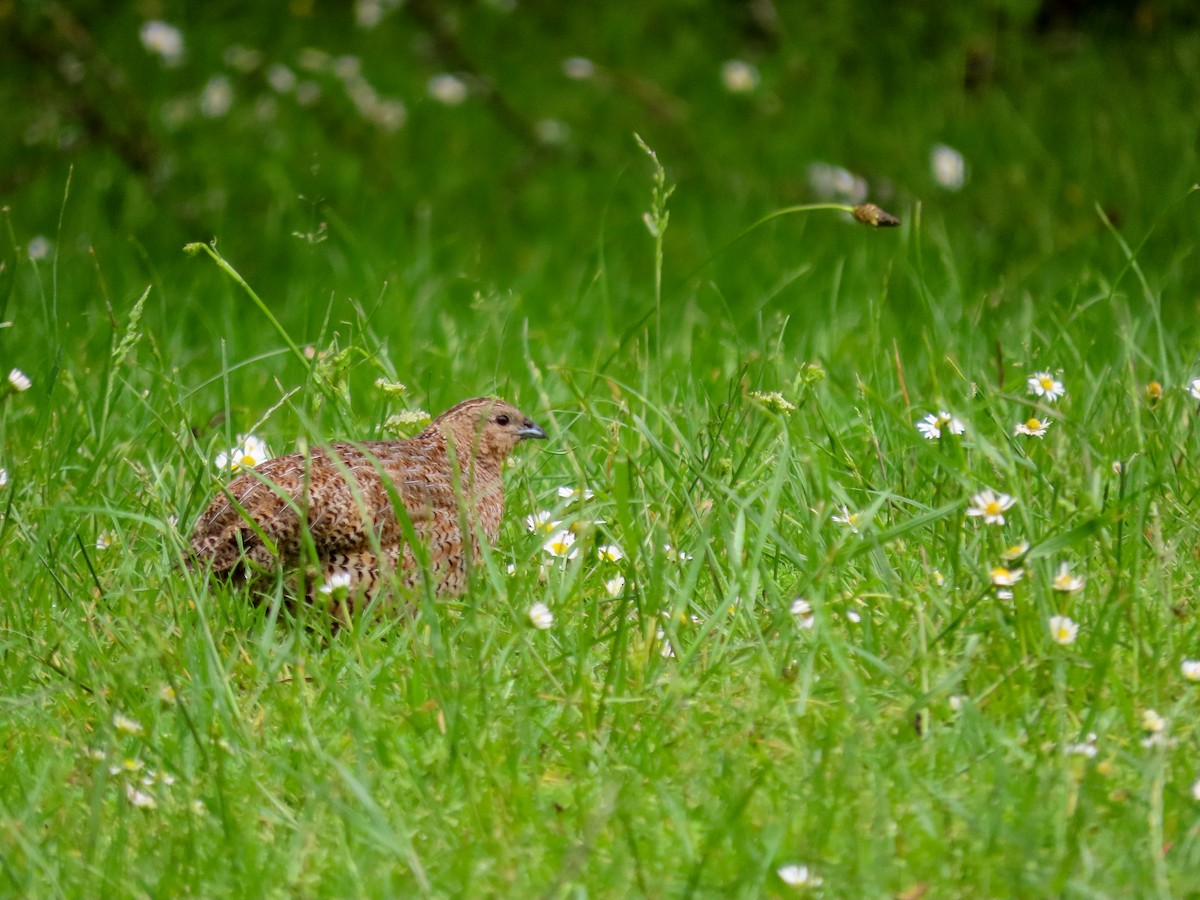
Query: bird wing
263,515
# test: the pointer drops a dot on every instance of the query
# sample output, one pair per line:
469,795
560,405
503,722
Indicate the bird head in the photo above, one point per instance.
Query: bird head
492,428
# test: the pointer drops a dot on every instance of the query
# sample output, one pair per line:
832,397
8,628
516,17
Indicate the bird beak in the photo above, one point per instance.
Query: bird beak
529,430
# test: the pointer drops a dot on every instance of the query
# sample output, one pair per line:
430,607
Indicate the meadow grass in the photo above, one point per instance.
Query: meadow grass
738,416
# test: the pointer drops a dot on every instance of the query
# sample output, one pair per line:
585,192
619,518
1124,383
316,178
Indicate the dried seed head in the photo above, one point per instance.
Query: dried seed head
870,214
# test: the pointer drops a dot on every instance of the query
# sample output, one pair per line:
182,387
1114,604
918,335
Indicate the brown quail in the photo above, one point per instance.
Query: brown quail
326,518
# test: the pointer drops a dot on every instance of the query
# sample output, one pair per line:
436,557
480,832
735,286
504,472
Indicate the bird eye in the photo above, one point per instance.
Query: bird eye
501,419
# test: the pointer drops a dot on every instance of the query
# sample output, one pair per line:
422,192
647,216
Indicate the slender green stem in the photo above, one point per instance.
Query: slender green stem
233,273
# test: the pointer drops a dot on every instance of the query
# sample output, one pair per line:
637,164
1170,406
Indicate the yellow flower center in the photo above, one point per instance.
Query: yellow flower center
559,548
1047,382
247,461
1033,424
993,508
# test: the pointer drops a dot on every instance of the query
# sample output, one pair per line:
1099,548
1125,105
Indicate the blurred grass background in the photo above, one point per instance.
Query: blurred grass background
308,120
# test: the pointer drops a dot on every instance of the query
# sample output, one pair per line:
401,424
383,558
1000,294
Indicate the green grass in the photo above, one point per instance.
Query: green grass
685,735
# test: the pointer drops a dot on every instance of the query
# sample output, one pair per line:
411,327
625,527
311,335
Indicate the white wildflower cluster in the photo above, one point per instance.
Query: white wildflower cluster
774,401
1155,726
384,113
561,543
138,783
407,422
835,184
391,388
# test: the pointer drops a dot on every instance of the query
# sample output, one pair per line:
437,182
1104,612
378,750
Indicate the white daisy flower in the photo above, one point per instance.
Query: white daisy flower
1015,552
578,68
1002,576
571,494
3,478
948,167
847,518
1046,386
18,381
665,650
1085,748
126,725
542,522
447,89
540,616
1190,669
39,248
127,766
614,586
140,799
610,553
739,76
932,425
1032,427
336,585
164,40
1194,388
216,99
104,540
1153,722
281,79
1063,630
803,612
797,875
561,545
1065,582
249,452
991,506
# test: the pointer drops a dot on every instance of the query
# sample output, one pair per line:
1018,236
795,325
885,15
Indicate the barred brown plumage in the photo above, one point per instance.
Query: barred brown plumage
328,514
